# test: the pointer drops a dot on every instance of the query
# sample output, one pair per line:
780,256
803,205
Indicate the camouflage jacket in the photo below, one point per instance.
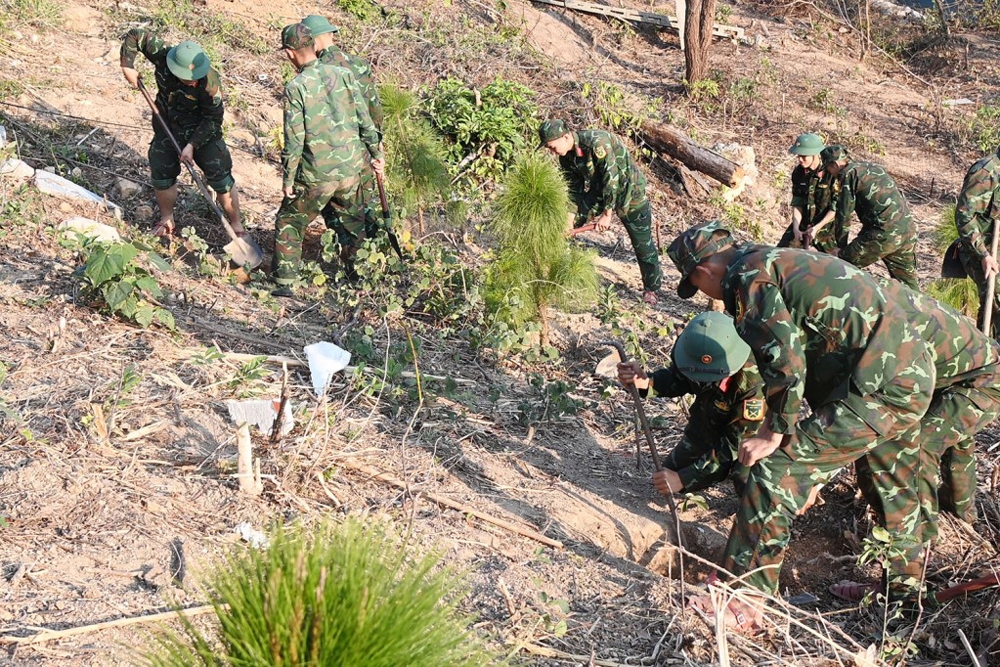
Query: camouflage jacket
818,327
814,193
602,175
327,127
194,112
884,214
363,75
735,405
979,205
963,355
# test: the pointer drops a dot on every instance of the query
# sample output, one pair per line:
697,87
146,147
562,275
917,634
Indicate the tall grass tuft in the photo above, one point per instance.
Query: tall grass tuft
339,596
959,293
538,268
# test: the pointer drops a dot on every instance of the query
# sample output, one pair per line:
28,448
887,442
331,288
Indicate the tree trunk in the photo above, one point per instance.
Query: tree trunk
670,140
699,17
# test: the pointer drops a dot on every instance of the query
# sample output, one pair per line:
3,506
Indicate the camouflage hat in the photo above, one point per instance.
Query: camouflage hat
296,36
833,154
807,144
694,245
318,25
188,62
551,129
709,349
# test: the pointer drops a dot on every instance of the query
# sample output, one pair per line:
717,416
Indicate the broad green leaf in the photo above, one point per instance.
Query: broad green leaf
116,294
881,534
158,262
103,265
144,315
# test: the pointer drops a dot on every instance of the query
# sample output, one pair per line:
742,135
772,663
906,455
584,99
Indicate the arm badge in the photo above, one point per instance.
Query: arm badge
753,409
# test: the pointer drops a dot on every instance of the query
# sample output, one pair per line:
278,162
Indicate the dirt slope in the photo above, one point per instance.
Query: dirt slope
115,491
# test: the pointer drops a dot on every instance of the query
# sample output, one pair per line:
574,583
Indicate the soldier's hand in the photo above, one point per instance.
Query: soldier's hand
603,221
378,166
807,238
289,192
667,482
132,76
990,265
759,447
631,373
796,236
187,155
834,251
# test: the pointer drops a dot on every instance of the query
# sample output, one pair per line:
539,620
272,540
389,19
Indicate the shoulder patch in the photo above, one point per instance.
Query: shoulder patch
753,409
599,152
741,308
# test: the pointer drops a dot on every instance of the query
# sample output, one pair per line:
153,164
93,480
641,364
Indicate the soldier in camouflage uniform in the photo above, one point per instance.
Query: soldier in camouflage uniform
814,194
887,229
602,178
712,362
966,399
189,97
976,214
329,137
822,331
323,31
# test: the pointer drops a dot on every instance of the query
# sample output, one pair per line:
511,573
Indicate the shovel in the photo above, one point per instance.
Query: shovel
387,217
244,251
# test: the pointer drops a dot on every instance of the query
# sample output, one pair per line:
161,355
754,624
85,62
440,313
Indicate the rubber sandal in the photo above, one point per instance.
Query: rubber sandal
649,298
736,620
852,591
163,230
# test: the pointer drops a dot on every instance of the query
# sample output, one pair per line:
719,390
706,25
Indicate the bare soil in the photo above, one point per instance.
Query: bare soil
115,497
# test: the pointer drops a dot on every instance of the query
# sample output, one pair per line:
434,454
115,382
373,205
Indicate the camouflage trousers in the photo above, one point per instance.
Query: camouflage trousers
897,253
946,442
295,214
349,233
832,437
213,158
638,223
704,456
974,267
830,236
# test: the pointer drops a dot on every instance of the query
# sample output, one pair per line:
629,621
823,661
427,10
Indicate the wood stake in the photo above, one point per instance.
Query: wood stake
249,482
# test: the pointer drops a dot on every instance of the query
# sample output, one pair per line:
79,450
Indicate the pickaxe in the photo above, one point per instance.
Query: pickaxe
657,464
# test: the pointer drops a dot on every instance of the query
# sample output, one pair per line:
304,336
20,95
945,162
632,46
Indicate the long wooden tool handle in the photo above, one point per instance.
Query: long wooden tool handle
967,587
381,195
991,285
194,174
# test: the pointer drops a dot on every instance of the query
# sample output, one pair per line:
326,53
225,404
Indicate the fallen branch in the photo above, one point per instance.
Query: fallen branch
547,652
50,635
451,504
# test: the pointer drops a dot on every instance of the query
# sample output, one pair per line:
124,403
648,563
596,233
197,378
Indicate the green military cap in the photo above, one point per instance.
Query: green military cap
318,25
807,144
833,154
188,61
694,245
709,349
551,129
296,36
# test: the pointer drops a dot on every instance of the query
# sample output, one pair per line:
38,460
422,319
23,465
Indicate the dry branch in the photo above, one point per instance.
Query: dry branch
451,504
50,635
670,140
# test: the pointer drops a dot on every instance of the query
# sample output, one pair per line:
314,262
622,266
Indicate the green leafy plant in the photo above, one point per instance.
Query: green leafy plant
959,293
202,254
487,127
615,110
248,373
338,595
535,260
365,10
112,274
551,402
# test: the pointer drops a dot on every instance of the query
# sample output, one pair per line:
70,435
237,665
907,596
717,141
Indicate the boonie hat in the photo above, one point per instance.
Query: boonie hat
187,61
709,349
296,36
832,154
551,129
694,245
318,25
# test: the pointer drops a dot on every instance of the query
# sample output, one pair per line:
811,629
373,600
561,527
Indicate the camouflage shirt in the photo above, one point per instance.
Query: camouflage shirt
814,192
882,209
327,127
601,174
817,326
735,405
963,355
978,205
363,75
194,112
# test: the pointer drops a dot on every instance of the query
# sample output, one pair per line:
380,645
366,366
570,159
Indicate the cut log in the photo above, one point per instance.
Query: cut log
671,141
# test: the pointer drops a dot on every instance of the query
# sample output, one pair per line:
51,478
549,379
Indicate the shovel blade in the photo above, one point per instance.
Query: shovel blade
245,252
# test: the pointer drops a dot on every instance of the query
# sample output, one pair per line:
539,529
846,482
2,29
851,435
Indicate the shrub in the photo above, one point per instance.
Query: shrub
344,595
112,274
537,267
